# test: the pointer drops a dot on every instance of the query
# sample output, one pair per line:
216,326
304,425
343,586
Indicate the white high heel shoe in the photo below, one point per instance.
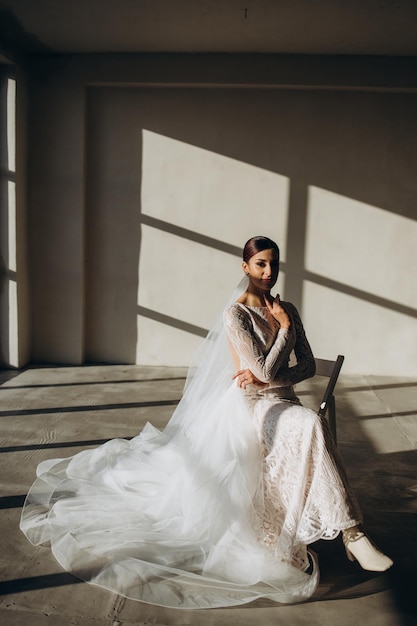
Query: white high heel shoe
359,547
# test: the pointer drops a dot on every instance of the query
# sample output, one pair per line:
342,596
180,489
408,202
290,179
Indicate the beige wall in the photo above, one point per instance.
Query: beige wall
56,219
148,175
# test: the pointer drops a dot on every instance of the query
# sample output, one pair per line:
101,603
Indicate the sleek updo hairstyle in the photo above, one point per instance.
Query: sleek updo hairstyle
257,244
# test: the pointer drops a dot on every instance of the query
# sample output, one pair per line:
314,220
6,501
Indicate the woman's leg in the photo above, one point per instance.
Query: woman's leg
307,483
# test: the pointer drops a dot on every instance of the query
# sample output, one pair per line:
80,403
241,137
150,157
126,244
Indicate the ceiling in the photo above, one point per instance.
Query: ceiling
351,27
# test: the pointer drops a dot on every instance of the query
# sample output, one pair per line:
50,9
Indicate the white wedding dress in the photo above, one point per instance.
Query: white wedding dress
219,507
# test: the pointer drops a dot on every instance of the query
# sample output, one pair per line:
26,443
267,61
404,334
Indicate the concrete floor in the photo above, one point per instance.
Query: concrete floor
54,412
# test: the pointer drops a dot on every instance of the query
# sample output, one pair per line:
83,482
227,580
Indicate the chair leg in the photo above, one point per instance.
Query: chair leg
332,417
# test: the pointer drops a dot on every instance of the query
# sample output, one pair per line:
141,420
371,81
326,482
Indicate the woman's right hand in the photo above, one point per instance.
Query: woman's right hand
278,312
245,378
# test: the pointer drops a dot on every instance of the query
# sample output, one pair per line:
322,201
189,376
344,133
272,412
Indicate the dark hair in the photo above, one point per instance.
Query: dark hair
257,244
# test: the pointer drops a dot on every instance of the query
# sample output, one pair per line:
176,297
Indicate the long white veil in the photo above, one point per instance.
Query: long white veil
169,518
209,374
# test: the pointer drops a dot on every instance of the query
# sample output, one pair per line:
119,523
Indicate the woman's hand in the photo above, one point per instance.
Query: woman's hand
245,378
278,312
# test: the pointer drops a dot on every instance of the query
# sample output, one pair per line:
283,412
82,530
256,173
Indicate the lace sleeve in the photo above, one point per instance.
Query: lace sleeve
306,366
241,334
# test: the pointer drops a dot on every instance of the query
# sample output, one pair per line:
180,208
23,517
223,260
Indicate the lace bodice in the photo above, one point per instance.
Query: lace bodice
265,349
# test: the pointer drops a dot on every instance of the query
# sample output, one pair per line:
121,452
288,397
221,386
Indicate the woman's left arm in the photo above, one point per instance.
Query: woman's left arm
305,366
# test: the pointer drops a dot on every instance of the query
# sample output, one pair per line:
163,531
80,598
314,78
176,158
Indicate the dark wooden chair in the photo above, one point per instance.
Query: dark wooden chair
331,370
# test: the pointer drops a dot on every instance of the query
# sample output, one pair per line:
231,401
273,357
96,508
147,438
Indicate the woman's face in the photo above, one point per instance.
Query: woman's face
262,269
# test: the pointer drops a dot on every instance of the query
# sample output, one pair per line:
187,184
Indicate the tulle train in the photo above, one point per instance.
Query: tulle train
168,517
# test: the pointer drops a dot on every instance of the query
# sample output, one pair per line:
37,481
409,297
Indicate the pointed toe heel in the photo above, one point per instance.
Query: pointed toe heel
360,548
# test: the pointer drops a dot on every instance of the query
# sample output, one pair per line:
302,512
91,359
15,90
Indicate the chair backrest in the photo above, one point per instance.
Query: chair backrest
331,370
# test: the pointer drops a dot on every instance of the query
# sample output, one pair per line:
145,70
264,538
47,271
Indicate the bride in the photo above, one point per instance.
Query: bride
219,508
